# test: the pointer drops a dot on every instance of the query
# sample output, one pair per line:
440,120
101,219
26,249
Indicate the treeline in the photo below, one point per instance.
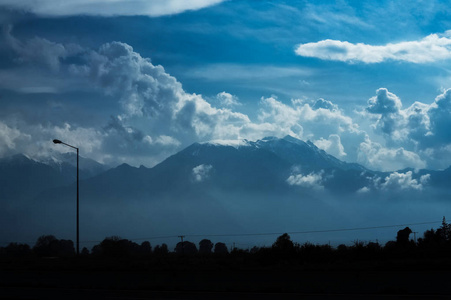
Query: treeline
433,244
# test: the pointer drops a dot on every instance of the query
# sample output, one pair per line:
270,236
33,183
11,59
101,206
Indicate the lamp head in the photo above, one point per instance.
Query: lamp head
57,142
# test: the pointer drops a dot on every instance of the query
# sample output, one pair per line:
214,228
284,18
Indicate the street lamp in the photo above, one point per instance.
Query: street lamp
78,232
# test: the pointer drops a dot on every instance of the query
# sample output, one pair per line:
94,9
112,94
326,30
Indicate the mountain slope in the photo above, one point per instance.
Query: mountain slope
235,186
22,177
264,165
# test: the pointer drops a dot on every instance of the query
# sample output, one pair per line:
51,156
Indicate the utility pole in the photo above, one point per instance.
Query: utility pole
78,191
415,236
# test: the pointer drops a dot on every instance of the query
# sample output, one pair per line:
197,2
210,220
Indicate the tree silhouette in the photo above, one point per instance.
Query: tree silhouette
84,251
445,231
17,250
221,248
283,244
49,245
205,246
161,250
402,237
145,248
42,246
64,248
116,247
185,247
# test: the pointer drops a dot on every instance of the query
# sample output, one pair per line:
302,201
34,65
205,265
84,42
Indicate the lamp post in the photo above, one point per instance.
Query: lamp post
78,231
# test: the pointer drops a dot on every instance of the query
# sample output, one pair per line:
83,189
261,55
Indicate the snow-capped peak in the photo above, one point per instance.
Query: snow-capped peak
231,143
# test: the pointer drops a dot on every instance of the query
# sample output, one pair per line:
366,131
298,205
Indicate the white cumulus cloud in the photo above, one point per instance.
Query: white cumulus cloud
226,99
376,157
432,48
9,137
312,180
422,128
153,8
332,145
305,120
201,172
156,117
404,181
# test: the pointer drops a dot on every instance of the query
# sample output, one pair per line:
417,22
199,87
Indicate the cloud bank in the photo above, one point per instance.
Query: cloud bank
433,48
153,8
155,116
312,180
421,127
396,181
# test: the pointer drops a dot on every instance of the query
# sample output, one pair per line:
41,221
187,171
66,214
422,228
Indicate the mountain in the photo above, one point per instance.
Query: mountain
272,184
264,165
67,162
270,165
22,212
22,177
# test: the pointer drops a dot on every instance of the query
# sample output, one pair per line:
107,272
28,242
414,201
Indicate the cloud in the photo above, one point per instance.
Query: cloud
376,157
228,100
433,48
422,127
437,157
303,120
157,115
404,181
439,115
40,51
147,92
384,102
312,180
325,104
388,106
155,109
154,116
36,140
202,172
363,190
152,8
234,72
332,145
396,181
9,137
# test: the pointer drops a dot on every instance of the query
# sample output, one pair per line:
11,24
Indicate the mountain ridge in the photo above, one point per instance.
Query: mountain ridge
206,185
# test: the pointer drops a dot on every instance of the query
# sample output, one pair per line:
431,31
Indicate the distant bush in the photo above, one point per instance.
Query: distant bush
221,248
161,250
205,246
433,244
50,246
17,250
185,248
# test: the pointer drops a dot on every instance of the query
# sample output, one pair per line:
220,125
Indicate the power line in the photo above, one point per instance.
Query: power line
312,231
266,233
279,233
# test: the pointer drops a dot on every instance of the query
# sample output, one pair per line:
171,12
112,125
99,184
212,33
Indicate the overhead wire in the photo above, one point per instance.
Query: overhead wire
280,233
264,233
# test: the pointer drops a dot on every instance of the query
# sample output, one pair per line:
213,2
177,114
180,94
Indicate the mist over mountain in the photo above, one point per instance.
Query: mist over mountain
217,187
22,177
67,162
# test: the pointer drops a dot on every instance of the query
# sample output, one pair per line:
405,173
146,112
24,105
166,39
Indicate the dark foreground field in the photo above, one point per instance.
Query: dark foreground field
203,278
121,269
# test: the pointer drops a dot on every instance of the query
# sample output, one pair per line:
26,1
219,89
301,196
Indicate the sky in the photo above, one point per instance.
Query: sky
137,81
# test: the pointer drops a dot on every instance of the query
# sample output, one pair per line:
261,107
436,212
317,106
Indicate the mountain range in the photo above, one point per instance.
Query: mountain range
226,183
